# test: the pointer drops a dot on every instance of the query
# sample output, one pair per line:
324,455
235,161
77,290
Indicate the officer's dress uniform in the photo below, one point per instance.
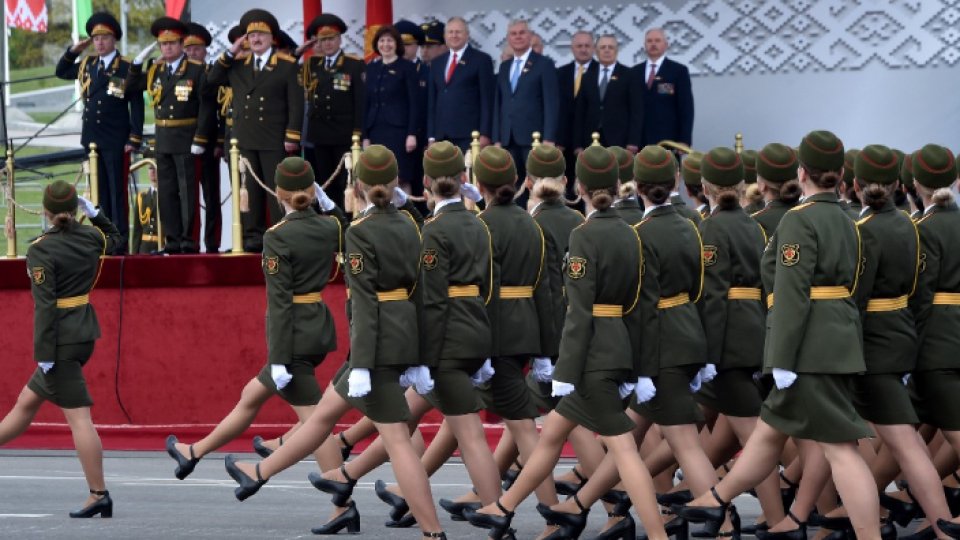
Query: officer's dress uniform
335,105
630,210
890,258
684,210
145,233
175,90
267,112
602,332
809,271
392,110
456,286
673,346
63,265
208,166
382,271
772,213
732,310
112,118
298,258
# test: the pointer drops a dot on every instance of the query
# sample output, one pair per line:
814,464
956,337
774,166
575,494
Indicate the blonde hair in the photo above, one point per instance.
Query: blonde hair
547,189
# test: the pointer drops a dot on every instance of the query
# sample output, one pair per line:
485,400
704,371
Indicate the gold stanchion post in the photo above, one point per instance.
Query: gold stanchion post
235,191
471,178
596,138
349,199
738,143
536,139
94,174
11,209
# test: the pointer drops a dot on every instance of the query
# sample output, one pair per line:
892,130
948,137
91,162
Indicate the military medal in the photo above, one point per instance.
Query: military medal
182,90
115,87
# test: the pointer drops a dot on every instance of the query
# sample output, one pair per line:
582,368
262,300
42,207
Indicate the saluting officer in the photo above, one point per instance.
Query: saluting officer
334,84
146,239
112,113
267,113
174,84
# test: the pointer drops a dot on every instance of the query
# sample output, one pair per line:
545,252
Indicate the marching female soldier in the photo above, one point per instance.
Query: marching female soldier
298,257
628,203
777,180
63,265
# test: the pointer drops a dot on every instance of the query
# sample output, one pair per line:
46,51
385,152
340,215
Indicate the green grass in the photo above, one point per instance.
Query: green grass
29,73
46,117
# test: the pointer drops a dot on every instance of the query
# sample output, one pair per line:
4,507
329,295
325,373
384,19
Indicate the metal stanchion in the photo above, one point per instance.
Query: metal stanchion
237,247
536,139
738,143
11,230
94,174
596,138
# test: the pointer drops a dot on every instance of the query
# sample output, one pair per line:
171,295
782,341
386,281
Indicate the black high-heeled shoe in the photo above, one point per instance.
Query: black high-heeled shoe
498,525
248,486
625,529
674,497
510,476
349,519
754,528
405,522
699,514
571,525
789,493
800,533
262,450
185,465
102,506
734,532
398,503
456,508
346,448
901,512
568,488
949,528
926,533
620,501
953,499
441,535
677,528
341,491
889,532
837,523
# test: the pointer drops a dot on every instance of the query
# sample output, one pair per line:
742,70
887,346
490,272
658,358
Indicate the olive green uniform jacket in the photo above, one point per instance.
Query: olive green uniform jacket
672,266
456,252
891,256
815,245
603,269
298,258
176,96
938,325
145,222
65,263
557,221
630,209
732,246
383,255
684,210
770,216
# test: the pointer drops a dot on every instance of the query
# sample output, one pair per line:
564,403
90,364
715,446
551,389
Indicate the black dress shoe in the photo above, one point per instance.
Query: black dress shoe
571,525
625,529
341,491
456,508
346,448
753,528
711,529
953,499
677,528
499,525
405,522
889,532
800,533
567,488
838,523
926,533
248,486
699,514
734,532
102,506
509,477
620,501
675,497
350,519
901,512
185,465
398,503
949,528
260,449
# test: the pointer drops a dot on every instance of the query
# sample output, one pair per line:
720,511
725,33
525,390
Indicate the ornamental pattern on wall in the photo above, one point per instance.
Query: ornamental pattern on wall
728,37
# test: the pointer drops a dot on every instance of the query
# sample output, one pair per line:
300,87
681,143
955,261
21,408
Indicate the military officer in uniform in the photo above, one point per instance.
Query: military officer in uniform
335,101
777,181
267,113
63,265
175,85
433,43
112,113
146,237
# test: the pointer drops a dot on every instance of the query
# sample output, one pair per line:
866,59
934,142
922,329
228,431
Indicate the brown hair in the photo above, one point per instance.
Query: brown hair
548,189
823,179
391,31
379,196
788,192
876,195
501,194
63,220
601,199
445,187
300,199
655,193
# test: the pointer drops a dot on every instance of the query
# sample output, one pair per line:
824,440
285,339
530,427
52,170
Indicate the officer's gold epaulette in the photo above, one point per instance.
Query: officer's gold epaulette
125,59
277,226
801,206
38,239
358,221
286,57
195,62
864,220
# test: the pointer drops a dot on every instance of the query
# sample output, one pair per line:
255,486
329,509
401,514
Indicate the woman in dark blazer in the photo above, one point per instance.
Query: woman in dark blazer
391,112
63,265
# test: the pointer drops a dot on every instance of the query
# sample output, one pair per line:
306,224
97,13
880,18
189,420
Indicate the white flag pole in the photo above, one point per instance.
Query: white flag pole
75,37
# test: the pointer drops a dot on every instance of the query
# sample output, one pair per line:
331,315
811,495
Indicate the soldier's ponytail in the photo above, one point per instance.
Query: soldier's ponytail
445,187
548,189
501,194
790,191
601,199
876,195
379,196
942,197
655,193
823,179
63,220
297,200
628,189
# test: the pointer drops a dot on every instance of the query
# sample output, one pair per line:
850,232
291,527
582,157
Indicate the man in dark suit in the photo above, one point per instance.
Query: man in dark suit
526,97
569,82
667,94
460,93
413,38
609,103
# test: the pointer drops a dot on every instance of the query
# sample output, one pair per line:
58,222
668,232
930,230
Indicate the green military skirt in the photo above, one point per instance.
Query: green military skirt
936,398
303,389
883,399
596,405
732,392
64,385
673,404
385,404
453,392
816,407
509,395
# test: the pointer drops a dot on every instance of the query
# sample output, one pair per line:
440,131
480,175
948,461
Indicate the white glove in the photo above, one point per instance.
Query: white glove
326,204
139,59
626,389
471,192
906,379
281,377
419,377
645,389
542,369
358,382
399,197
695,383
484,374
560,388
708,372
88,208
196,149
45,366
783,378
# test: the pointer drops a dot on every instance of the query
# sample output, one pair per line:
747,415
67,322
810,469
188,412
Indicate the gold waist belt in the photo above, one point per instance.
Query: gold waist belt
743,293
607,310
946,299
887,304
674,301
73,301
176,122
463,291
820,293
513,292
150,238
395,295
308,298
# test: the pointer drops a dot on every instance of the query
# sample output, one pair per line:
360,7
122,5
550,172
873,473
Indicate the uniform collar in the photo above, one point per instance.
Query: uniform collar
659,209
301,214
827,196
628,202
332,60
108,58
447,203
176,63
265,57
601,214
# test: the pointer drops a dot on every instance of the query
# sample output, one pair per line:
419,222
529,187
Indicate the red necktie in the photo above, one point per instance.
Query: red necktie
453,66
653,75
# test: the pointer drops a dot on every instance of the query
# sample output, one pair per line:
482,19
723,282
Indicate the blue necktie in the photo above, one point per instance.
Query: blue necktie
515,75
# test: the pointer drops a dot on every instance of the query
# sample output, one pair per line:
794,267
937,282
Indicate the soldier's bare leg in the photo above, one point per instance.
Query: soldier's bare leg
20,416
410,475
252,398
89,449
815,475
854,482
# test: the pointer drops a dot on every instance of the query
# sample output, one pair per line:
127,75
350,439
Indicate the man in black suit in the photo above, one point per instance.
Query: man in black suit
460,93
609,103
667,94
526,97
569,81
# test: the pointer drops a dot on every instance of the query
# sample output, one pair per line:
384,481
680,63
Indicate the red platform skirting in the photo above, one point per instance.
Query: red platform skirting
181,336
